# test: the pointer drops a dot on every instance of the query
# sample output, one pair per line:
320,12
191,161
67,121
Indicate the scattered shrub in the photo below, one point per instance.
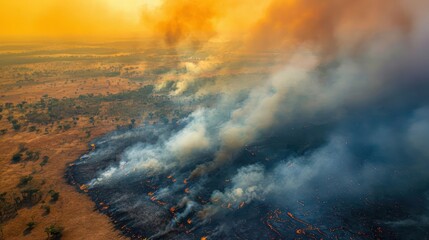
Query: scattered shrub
16,126
3,131
54,232
44,161
24,180
32,156
31,225
47,209
17,157
54,195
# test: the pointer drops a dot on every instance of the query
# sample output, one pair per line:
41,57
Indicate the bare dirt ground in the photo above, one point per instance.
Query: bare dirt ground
29,82
74,211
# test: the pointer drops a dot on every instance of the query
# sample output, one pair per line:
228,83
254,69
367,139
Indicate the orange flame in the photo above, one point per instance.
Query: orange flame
161,203
186,190
189,221
172,209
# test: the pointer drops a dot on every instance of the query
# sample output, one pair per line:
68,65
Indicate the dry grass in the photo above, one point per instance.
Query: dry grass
74,211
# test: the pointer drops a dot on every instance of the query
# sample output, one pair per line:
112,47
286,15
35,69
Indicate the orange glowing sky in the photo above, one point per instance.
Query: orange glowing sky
259,23
71,18
118,18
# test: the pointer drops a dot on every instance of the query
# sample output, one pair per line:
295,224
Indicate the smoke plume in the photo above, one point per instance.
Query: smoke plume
331,143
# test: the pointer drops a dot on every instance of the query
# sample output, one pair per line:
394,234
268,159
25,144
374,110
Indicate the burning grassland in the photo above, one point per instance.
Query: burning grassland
330,143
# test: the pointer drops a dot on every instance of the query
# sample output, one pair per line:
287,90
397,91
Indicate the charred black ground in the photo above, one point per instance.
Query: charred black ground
133,208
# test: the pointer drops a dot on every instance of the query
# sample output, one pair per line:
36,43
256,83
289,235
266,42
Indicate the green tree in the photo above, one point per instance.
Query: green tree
47,209
44,161
54,195
17,157
31,225
24,180
54,232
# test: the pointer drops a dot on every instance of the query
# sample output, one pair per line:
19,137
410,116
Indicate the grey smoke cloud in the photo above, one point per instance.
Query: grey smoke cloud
336,132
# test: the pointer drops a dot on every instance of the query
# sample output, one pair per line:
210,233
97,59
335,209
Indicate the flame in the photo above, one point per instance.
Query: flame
186,190
172,209
297,219
203,238
189,221
185,181
241,205
273,216
161,203
150,193
171,177
84,188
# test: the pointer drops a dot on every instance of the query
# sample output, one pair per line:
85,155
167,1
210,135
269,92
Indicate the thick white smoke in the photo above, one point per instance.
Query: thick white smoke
374,99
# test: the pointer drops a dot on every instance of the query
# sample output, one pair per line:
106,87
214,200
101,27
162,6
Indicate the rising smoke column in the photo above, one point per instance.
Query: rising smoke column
347,66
